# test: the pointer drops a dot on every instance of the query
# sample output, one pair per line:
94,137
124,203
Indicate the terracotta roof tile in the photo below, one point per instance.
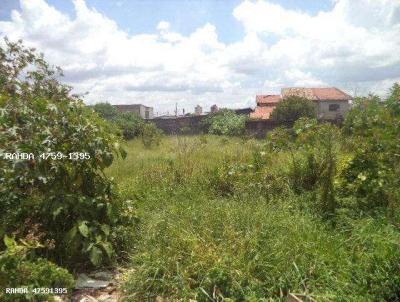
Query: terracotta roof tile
265,99
300,92
333,94
317,94
262,112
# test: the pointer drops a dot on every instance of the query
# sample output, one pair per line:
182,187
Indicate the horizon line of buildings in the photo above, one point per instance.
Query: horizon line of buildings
331,104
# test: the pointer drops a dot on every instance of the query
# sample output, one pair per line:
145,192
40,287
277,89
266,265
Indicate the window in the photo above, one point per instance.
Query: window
334,107
146,114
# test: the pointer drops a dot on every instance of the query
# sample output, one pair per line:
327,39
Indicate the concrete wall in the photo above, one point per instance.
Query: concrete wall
137,108
144,109
179,125
325,114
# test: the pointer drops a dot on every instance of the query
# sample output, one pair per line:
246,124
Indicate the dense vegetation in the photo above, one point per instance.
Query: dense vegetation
53,209
292,108
129,124
225,122
313,209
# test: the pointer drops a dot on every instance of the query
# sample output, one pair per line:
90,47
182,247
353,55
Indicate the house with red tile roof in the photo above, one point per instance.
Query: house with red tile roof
331,103
265,105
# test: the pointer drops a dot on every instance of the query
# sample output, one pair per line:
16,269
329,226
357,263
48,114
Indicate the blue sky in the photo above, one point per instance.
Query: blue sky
142,16
205,52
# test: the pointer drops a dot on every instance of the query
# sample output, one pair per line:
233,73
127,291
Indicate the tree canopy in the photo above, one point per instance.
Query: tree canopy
293,108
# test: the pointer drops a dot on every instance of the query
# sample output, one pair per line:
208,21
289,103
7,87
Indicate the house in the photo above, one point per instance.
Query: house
265,105
331,103
144,111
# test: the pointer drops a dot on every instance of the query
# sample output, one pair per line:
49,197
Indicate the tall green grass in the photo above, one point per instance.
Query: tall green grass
218,221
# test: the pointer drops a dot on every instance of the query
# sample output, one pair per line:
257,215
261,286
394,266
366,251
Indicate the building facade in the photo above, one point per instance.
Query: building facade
144,111
330,103
265,105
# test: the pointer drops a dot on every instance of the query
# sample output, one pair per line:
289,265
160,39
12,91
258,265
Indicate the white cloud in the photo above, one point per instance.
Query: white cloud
163,25
356,44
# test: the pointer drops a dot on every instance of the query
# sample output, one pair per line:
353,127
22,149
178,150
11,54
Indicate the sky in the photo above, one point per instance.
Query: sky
225,52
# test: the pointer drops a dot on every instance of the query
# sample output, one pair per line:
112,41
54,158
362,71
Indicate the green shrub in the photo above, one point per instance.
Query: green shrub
225,122
372,173
312,149
293,108
129,123
72,200
106,111
19,269
151,135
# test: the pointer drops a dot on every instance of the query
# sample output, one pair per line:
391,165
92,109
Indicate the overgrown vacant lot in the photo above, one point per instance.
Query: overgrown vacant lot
218,220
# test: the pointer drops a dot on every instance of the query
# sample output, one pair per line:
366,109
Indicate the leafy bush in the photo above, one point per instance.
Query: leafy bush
129,123
71,198
372,173
393,101
293,108
106,111
313,150
225,122
151,135
19,268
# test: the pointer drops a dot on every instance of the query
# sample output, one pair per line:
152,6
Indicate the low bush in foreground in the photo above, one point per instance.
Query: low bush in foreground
20,268
60,189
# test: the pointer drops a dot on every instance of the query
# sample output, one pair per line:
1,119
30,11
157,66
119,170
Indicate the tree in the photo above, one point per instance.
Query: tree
226,122
70,198
293,108
130,124
106,111
393,101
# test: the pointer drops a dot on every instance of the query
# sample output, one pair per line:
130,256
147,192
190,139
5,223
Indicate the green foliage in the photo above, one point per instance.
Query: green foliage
72,200
225,222
129,123
372,174
226,122
393,101
280,139
293,108
106,111
151,135
19,269
313,149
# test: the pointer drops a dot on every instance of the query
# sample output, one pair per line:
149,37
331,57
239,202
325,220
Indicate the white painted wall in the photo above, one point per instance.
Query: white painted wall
324,112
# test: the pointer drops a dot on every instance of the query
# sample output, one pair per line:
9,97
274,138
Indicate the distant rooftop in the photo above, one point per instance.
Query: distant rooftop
268,99
317,94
